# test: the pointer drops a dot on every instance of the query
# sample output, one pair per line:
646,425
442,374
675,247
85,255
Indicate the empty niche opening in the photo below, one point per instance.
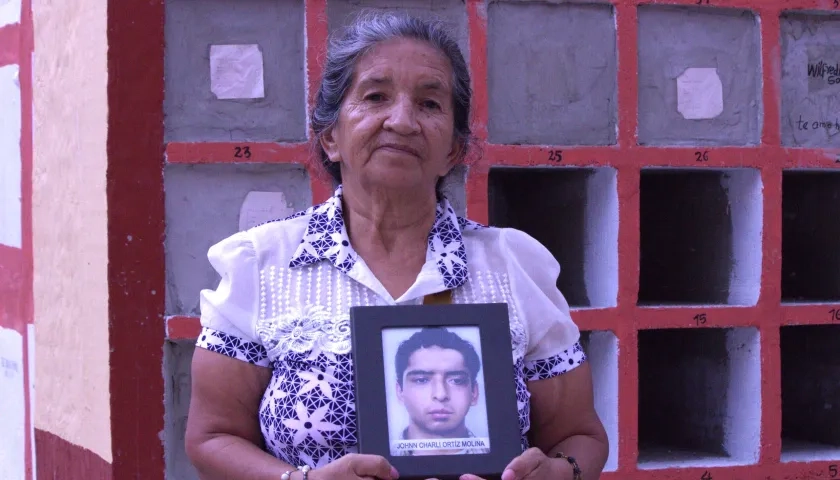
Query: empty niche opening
699,397
700,235
810,236
601,349
810,393
574,213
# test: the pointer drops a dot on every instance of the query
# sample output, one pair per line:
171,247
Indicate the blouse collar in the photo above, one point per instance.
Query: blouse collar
326,238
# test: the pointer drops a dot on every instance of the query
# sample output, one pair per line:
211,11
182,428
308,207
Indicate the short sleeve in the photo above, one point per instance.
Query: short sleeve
228,313
553,338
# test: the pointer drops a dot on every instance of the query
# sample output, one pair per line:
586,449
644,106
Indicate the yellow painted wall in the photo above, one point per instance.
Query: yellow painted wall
69,222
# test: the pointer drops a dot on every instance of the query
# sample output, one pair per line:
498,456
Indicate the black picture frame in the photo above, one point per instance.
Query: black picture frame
493,326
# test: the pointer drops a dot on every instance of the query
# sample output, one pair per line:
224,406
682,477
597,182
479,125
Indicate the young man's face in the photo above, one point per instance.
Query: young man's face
437,391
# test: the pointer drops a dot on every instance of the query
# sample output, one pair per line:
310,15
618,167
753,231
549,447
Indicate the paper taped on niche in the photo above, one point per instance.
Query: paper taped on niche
699,94
261,207
236,71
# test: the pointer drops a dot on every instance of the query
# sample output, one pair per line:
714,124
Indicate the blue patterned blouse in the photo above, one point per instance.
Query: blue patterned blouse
284,298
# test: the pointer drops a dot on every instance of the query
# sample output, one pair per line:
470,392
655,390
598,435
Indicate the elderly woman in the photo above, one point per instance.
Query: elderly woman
272,393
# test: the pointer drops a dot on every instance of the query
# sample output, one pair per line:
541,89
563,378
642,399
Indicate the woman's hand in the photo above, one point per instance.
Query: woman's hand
356,466
533,464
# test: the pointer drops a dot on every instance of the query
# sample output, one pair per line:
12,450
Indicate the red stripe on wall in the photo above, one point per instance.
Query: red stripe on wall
12,287
9,44
135,207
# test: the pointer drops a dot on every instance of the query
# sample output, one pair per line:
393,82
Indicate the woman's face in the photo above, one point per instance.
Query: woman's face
396,126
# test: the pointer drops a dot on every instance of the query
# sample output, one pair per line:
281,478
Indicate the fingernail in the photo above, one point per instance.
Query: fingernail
394,473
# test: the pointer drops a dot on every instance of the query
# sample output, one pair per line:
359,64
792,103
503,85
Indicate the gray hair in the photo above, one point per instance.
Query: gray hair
365,32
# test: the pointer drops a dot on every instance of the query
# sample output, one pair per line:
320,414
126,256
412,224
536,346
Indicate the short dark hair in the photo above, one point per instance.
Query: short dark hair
436,337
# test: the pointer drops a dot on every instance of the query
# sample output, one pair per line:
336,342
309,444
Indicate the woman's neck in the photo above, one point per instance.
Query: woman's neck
388,221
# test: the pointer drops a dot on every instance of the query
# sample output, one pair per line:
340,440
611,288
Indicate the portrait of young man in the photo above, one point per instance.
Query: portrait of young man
437,385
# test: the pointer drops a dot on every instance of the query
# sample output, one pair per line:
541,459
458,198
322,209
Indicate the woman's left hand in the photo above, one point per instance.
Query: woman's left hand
533,464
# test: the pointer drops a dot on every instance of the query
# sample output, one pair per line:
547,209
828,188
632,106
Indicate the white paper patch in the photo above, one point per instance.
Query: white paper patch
261,207
236,71
699,94
9,12
12,406
10,194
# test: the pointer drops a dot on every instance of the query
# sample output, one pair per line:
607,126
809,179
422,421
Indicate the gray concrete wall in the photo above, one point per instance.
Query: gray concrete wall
744,189
673,39
551,73
177,358
193,112
555,205
810,94
552,79
203,204
455,189
451,12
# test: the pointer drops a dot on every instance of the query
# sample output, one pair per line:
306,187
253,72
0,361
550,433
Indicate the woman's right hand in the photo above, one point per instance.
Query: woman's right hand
356,466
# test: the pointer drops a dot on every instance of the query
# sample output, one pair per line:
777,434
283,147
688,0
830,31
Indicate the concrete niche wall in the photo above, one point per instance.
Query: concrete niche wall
234,71
561,89
699,76
204,204
451,12
677,262
177,359
810,80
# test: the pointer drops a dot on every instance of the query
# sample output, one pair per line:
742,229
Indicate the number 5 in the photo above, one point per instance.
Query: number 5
832,469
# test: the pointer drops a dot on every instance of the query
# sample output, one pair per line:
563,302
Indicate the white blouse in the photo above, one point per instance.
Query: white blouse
284,299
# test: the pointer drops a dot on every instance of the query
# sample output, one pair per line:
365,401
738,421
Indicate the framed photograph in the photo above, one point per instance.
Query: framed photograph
435,390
